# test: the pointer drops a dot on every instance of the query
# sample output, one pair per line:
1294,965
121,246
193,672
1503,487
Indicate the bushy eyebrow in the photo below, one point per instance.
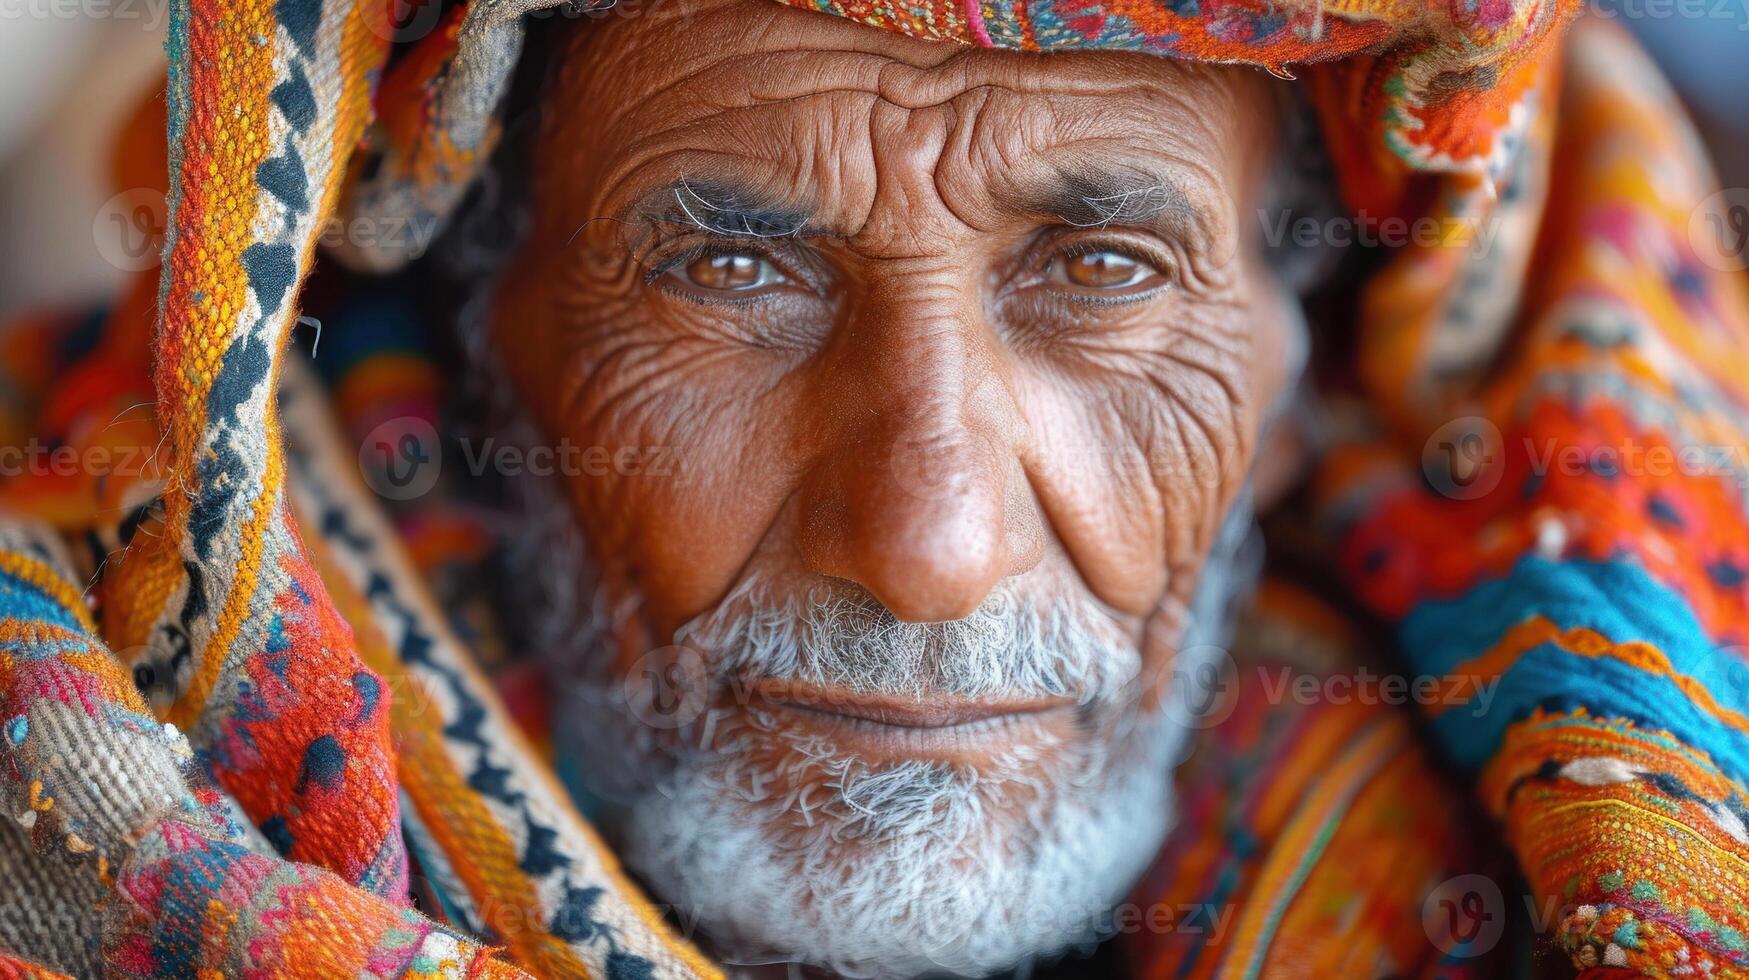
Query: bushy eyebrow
724,208
1095,198
1088,197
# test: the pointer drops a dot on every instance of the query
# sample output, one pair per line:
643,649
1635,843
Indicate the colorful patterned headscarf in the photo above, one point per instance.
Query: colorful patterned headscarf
245,747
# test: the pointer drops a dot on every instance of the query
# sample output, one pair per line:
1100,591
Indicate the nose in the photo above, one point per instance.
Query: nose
919,494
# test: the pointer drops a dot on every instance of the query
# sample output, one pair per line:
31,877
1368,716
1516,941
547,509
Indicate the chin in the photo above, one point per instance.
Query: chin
786,843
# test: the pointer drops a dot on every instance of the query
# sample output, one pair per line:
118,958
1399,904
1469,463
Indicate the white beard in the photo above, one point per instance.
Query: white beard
922,868
931,868
903,869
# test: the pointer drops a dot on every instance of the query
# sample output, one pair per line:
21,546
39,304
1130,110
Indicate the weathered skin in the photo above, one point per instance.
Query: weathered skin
1004,318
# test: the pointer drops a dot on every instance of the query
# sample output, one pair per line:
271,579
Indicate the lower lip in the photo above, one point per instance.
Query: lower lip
878,731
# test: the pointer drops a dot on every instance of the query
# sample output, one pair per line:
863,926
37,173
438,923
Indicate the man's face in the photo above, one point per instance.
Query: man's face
924,381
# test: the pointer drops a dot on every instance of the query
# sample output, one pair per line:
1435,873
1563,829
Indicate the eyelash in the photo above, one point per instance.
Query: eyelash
665,256
658,265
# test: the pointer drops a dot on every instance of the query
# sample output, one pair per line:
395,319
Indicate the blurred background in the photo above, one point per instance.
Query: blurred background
71,70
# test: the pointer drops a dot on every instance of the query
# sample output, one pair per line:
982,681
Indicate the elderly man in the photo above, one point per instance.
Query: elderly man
964,357
906,409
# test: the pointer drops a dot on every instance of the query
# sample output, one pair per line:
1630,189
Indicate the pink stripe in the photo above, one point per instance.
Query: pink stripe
975,18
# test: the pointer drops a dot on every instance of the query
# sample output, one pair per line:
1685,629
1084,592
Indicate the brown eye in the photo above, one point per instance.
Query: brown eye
730,272
1103,271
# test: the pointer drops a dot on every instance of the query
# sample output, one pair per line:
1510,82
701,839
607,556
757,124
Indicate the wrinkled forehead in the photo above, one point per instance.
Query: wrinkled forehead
796,119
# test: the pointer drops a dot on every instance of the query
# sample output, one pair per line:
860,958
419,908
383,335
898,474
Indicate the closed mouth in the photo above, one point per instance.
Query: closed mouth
883,726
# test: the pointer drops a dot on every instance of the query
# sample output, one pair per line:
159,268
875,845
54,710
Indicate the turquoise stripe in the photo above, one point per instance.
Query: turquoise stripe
21,600
1619,600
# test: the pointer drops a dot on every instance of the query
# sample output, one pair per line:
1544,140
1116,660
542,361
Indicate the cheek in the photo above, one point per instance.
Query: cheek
672,449
1141,450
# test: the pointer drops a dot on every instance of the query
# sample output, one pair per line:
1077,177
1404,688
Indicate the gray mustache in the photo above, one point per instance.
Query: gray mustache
841,636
